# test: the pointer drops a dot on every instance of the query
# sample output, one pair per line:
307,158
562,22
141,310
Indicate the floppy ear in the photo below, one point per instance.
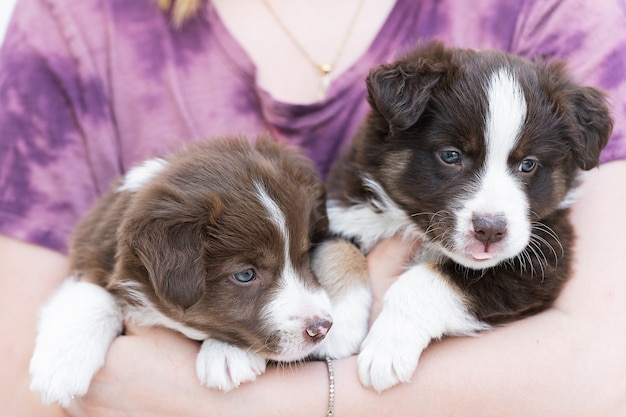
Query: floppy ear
400,91
172,256
169,242
592,126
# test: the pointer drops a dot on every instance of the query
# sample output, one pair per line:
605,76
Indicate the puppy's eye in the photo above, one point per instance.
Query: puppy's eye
450,156
528,165
245,276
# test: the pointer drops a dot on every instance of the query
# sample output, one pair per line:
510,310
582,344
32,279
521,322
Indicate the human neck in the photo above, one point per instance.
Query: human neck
282,69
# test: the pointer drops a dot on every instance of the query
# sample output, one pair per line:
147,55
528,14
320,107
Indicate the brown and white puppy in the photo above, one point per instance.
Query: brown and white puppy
213,242
476,155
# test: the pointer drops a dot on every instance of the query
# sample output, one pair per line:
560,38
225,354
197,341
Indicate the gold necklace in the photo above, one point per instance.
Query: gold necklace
324,69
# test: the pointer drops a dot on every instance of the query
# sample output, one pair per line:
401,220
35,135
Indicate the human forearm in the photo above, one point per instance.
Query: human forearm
28,274
517,370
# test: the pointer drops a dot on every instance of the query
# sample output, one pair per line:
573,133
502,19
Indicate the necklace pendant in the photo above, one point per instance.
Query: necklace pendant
326,77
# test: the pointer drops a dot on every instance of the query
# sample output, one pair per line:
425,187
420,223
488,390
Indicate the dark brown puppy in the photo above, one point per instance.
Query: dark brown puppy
476,155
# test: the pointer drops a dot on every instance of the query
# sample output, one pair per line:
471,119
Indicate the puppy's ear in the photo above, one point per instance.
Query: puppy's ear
400,91
592,125
172,257
169,243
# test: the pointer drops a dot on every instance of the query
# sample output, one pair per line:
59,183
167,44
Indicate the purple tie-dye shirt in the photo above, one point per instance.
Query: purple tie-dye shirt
90,87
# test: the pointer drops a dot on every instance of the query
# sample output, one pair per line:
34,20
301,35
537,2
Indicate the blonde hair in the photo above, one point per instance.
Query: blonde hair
180,10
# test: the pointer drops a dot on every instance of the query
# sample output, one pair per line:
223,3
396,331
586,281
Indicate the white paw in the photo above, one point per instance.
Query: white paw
224,366
56,377
388,357
385,361
75,330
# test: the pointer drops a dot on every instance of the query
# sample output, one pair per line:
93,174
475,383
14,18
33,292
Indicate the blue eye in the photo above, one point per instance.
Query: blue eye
245,276
527,166
450,156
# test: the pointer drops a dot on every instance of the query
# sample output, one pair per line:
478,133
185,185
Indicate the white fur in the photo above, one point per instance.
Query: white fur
76,327
419,307
275,214
224,366
505,116
499,192
137,177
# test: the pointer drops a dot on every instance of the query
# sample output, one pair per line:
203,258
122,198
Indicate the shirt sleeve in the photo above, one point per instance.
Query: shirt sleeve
57,140
591,37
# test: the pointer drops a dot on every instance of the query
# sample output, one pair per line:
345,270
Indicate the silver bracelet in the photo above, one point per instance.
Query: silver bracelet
331,388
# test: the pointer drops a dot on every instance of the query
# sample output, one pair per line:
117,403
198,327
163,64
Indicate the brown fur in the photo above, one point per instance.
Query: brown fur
180,238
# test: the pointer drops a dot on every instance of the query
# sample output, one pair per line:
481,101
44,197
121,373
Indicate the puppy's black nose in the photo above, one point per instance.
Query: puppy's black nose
489,229
318,328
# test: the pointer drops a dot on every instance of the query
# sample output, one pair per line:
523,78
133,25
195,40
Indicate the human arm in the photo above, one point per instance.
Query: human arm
566,361
22,291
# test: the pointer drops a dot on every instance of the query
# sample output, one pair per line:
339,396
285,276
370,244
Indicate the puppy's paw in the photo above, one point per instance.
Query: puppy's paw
56,378
223,366
75,330
386,358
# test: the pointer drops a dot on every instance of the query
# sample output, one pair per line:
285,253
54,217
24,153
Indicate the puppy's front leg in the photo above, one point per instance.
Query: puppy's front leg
419,307
224,366
76,328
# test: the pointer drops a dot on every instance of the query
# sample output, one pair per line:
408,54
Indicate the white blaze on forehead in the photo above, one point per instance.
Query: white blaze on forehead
505,116
503,127
276,216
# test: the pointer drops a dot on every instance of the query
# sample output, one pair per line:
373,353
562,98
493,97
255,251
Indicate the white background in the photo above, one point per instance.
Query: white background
6,7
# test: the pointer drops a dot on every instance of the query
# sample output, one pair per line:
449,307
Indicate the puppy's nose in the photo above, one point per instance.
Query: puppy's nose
488,228
317,328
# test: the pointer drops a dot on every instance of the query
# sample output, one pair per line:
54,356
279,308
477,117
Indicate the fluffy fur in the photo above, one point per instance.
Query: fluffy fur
212,242
475,155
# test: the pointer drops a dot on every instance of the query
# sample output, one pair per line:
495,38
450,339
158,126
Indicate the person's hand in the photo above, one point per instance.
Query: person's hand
385,262
163,358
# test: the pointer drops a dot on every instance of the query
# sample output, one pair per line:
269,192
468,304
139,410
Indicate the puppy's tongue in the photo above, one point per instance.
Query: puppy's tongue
482,256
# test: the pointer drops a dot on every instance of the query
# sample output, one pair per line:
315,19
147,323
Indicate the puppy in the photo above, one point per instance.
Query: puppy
476,156
212,242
